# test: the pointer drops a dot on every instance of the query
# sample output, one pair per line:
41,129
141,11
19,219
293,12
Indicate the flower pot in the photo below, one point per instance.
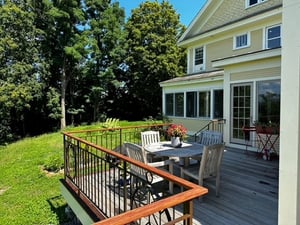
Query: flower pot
175,141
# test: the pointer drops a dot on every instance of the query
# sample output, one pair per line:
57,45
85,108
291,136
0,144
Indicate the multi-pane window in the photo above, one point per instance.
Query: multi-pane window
253,2
199,56
241,41
198,104
204,104
273,36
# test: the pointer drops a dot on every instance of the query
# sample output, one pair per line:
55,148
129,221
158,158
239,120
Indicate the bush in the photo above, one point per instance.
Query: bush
54,163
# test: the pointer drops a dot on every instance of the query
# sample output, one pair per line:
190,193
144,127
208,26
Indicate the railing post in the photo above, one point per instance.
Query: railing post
188,210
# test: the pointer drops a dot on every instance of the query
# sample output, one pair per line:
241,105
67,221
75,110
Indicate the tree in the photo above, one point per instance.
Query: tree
105,23
21,67
65,43
153,55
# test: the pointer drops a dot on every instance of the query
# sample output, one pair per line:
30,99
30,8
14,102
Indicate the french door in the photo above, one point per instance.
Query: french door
241,110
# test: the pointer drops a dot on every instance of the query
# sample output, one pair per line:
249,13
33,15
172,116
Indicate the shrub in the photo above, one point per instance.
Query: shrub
54,163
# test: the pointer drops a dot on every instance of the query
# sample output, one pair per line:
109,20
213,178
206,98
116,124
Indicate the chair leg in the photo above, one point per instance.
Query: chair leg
182,176
171,185
217,185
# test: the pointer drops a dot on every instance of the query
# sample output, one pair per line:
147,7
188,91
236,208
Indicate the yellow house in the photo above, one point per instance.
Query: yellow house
233,68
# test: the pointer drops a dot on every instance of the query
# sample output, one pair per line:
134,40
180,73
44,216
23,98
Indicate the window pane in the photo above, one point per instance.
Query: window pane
204,104
179,97
218,104
274,32
274,43
198,56
274,37
169,105
253,2
191,104
268,101
241,41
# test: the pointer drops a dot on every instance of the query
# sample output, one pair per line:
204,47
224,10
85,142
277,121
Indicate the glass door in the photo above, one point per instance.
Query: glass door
241,110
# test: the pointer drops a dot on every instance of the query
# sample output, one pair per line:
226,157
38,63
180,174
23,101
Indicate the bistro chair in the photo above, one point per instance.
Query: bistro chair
148,138
210,166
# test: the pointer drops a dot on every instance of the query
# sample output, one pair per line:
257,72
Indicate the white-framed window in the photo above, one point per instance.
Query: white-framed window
174,104
273,37
198,59
198,104
241,41
250,3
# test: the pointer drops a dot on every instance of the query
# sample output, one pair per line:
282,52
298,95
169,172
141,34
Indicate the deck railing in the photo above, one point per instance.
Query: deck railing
214,125
97,172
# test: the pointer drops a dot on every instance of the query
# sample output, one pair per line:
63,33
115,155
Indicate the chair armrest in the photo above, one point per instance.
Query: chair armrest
161,163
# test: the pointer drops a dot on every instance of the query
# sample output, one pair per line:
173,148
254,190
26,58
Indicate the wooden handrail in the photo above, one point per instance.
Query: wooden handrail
192,191
116,128
136,214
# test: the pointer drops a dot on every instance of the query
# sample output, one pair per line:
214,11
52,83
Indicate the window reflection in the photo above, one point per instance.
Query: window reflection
268,101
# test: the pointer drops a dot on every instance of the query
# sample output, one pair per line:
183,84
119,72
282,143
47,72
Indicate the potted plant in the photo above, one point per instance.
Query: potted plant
266,128
177,132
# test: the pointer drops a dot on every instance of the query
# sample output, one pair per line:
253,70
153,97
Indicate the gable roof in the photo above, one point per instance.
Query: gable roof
221,13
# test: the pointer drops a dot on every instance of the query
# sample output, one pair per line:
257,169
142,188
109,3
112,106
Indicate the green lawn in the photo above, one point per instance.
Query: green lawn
28,195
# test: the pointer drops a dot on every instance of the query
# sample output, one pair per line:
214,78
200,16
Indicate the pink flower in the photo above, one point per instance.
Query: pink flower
177,131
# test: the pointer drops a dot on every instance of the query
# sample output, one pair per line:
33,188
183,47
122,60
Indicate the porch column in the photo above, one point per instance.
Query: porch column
289,172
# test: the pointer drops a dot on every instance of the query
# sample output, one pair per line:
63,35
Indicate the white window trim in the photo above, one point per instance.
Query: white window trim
247,3
204,62
208,89
265,36
245,46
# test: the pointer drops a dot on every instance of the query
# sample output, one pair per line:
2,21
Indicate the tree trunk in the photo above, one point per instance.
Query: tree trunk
62,102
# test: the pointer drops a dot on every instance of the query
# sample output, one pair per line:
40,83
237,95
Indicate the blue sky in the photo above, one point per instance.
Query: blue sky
187,9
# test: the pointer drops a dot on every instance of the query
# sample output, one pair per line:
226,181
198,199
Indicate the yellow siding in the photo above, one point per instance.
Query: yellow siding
192,125
232,10
256,74
224,48
218,50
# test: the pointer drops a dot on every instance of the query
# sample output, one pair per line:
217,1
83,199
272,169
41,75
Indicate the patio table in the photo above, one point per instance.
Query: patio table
165,149
267,141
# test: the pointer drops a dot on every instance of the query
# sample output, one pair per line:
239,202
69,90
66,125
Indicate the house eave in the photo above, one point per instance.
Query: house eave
248,57
195,78
229,27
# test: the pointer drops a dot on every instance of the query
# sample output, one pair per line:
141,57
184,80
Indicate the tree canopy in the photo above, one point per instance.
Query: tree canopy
72,61
152,54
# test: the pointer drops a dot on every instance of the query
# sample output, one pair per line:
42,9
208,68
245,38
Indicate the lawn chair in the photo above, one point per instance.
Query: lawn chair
148,138
209,166
137,153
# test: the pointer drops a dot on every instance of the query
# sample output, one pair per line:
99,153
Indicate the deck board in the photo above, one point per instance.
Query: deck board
248,192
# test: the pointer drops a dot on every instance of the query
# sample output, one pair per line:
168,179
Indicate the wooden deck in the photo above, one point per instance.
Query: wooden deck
248,192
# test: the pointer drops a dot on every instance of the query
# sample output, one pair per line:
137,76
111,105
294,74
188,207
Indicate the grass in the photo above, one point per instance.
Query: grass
28,195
